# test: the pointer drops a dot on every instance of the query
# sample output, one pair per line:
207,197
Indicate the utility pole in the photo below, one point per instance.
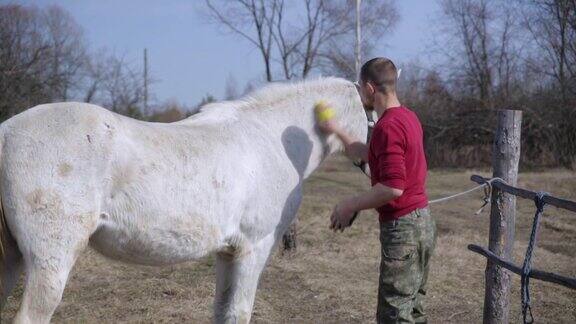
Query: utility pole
145,80
358,40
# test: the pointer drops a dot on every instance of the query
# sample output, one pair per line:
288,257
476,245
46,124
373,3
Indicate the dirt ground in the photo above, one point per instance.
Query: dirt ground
333,277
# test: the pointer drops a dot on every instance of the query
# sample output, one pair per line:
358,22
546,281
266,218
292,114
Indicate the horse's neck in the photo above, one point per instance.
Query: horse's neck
300,139
287,115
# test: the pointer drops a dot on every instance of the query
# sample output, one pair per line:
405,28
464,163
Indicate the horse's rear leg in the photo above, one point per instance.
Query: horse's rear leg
50,243
42,294
46,275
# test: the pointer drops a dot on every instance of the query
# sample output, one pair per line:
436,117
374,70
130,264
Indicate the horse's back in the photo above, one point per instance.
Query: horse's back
53,143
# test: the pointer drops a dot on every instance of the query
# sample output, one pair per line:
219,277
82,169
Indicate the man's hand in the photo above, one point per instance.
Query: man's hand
329,126
354,149
378,196
342,215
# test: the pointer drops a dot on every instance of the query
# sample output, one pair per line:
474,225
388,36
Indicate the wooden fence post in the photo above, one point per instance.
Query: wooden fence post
505,158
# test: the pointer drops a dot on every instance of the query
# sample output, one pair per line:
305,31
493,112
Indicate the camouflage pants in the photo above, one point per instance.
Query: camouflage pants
407,244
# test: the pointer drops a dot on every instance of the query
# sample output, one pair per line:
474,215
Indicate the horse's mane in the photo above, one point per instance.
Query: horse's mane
275,92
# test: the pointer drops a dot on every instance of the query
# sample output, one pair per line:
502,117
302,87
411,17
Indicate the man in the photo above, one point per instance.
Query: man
398,170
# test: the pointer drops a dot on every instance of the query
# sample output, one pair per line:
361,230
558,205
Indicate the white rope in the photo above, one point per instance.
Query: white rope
487,185
460,193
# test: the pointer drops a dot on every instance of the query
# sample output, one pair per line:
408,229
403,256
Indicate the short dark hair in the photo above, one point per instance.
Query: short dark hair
381,72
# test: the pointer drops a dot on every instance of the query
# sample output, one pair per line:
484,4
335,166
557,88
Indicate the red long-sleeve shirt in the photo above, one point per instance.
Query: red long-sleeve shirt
396,159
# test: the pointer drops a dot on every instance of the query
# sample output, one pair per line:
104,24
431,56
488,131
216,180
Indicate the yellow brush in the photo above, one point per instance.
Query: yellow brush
323,111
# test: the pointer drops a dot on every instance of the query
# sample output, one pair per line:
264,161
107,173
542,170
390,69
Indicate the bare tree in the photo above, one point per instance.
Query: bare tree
251,19
43,58
311,38
471,21
66,52
41,52
122,88
483,32
94,74
21,50
552,23
338,53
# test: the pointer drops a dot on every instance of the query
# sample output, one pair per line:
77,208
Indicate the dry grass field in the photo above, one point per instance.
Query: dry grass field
333,277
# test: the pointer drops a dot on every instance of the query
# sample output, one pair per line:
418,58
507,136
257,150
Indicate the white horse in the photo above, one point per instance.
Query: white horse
227,180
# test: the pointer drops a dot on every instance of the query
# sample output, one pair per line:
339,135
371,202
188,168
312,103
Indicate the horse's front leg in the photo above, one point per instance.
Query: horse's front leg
237,278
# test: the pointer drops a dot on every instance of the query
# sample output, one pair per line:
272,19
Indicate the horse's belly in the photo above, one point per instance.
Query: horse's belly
156,244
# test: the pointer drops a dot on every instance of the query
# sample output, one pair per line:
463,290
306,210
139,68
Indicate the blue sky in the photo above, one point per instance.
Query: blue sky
189,57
